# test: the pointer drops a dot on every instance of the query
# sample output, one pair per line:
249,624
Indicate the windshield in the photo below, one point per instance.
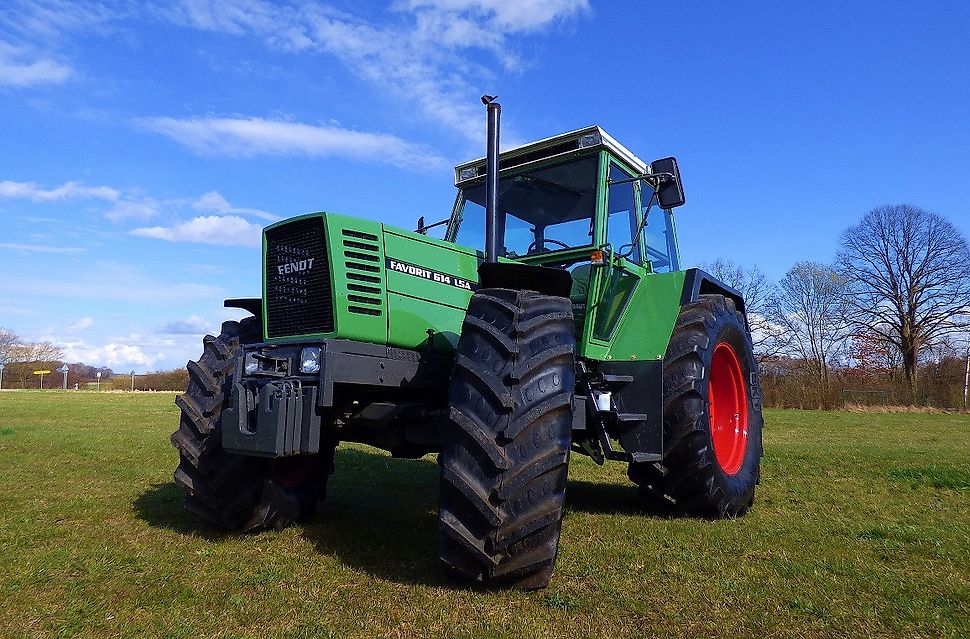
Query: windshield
546,209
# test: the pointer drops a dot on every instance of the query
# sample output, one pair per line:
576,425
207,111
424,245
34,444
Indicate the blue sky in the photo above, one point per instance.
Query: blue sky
144,145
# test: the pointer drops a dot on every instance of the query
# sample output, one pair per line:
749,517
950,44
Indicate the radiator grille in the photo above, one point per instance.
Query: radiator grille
299,299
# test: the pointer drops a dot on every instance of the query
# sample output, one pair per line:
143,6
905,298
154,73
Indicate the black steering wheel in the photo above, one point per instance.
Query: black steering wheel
535,246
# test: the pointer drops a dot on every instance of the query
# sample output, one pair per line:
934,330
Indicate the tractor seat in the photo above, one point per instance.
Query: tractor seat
580,287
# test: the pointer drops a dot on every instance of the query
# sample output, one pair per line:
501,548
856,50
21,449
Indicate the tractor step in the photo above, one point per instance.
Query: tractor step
617,379
637,458
631,417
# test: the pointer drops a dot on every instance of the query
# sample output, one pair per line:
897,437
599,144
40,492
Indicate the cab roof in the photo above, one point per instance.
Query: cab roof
591,138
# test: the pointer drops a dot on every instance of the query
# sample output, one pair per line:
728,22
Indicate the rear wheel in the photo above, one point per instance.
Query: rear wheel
229,491
712,416
504,460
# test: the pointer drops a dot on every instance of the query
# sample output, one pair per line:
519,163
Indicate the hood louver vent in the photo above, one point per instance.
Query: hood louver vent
365,287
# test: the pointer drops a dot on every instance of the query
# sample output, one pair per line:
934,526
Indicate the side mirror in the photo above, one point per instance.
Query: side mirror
670,193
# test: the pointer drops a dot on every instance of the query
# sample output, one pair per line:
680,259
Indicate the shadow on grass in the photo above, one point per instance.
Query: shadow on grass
605,499
380,515
163,506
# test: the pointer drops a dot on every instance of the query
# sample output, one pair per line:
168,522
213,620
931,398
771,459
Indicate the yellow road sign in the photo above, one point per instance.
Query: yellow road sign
41,372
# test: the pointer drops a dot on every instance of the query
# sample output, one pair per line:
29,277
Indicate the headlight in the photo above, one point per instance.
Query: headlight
310,359
251,364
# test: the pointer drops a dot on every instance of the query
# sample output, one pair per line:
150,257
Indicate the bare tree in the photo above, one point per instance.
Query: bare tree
812,306
25,355
7,341
909,275
873,353
37,352
769,338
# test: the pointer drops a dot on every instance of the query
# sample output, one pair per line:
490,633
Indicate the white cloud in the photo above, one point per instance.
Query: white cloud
19,69
228,17
143,209
193,325
252,136
505,16
48,20
128,206
213,201
229,230
141,351
80,324
41,248
408,63
421,59
106,280
67,191
116,355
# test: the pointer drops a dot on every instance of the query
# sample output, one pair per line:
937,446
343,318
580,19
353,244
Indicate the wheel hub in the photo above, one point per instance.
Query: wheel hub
728,406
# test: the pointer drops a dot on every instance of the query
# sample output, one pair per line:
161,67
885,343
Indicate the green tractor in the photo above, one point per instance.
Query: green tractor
574,331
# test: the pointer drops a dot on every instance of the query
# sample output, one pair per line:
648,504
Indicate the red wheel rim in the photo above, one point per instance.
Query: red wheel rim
292,472
728,400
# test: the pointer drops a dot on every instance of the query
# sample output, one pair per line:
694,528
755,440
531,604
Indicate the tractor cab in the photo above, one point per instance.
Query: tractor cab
577,201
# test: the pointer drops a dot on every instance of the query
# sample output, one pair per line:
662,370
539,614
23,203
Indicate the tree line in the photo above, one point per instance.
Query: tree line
887,322
21,358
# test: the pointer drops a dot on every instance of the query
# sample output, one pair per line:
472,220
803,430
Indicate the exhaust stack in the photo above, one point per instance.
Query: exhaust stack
494,227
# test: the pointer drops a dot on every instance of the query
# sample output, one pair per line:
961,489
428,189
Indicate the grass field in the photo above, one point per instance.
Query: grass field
861,528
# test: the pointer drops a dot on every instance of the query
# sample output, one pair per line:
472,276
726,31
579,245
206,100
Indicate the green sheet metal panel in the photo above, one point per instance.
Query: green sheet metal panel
429,283
647,322
359,283
392,286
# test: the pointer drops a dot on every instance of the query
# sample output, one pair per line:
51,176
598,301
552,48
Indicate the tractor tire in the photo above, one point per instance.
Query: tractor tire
712,417
237,492
504,459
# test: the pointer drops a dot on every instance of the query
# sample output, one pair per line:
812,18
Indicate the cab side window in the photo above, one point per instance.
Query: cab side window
621,224
659,234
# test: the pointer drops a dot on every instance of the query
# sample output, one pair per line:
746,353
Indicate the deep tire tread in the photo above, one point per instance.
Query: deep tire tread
690,482
504,462
226,491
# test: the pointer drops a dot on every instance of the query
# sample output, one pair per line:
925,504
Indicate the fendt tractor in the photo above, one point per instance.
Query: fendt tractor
574,331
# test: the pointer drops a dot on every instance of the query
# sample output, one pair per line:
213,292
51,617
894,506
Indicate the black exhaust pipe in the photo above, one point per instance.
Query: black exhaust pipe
513,275
494,228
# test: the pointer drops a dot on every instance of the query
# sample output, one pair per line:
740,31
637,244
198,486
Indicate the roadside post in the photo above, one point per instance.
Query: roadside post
98,375
966,377
63,369
41,373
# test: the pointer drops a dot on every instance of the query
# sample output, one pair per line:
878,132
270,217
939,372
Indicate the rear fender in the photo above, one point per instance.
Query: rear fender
698,282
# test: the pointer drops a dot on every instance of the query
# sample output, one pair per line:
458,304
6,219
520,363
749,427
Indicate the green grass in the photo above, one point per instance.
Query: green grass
861,528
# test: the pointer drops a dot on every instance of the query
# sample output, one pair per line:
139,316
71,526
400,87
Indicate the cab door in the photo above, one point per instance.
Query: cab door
618,278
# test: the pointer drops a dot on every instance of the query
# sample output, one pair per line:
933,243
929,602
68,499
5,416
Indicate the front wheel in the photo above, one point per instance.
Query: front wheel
504,459
229,491
712,416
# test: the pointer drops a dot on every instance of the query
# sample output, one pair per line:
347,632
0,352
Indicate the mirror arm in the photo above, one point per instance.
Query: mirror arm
423,230
643,223
660,177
